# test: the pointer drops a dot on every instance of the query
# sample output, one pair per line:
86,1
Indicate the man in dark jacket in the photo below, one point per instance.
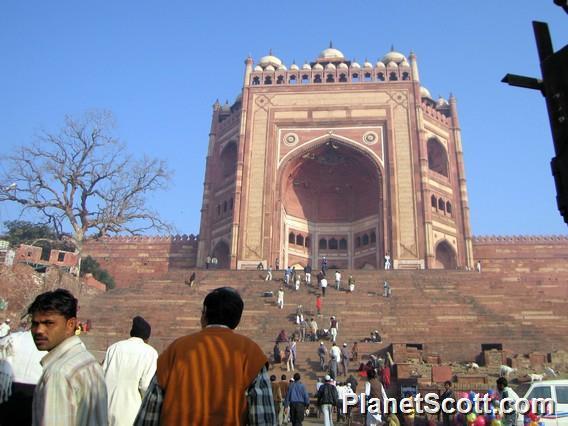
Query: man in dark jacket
298,400
327,399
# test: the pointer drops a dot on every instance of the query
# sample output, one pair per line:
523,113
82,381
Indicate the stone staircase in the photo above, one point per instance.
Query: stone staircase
449,313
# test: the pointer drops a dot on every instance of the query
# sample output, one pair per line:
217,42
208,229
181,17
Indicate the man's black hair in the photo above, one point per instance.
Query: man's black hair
296,377
371,374
223,306
273,378
447,382
60,301
283,377
502,381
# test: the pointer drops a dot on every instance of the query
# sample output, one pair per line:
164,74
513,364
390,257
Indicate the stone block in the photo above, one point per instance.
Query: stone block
469,379
441,373
493,358
537,360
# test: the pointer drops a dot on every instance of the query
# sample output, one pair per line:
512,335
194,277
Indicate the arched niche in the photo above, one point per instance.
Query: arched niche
437,157
228,159
223,255
445,256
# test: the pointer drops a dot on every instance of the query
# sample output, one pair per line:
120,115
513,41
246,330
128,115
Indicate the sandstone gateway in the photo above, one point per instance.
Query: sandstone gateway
339,159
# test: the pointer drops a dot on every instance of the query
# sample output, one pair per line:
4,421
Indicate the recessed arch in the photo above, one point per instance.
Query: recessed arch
437,157
445,256
222,253
228,157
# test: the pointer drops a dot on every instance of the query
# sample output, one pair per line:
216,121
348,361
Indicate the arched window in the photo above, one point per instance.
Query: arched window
441,205
355,78
365,240
280,79
342,78
333,244
393,76
305,79
330,78
437,157
229,159
231,204
358,242
373,238
317,78
343,244
381,76
300,240
367,76
434,202
291,238
224,207
405,76
307,242
323,244
292,79
449,208
255,81
267,80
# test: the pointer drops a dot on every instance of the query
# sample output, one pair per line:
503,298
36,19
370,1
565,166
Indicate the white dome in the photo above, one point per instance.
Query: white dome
269,68
306,67
226,108
330,67
270,60
294,67
282,68
380,65
355,65
393,56
343,66
392,64
318,67
258,68
441,102
367,64
425,93
331,53
404,63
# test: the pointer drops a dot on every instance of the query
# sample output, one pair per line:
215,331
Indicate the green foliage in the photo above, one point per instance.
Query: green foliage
90,265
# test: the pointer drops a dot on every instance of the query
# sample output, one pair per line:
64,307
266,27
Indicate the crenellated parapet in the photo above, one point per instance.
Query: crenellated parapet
520,239
435,113
147,238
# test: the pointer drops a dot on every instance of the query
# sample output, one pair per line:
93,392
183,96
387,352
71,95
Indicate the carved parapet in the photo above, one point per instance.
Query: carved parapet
520,239
435,114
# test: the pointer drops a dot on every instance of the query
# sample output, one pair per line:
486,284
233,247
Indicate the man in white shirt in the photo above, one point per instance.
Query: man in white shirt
337,280
71,390
335,351
5,328
129,366
323,285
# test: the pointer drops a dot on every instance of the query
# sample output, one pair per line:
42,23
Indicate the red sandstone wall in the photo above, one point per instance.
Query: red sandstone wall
129,259
522,254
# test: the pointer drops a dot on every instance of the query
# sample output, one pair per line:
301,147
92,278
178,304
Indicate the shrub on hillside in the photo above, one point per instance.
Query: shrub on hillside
90,265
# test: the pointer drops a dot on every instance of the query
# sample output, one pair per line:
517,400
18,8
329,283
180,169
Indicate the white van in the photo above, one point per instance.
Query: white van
558,391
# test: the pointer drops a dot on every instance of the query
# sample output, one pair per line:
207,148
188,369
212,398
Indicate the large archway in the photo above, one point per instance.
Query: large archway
222,253
445,256
331,194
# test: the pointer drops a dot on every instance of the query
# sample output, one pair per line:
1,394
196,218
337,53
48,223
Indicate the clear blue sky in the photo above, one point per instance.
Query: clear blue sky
159,66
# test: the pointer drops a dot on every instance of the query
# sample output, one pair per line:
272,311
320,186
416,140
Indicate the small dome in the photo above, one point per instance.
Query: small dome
226,107
393,56
318,67
355,65
331,53
380,65
392,64
306,67
425,93
367,64
404,63
294,67
441,102
270,60
258,68
282,68
269,68
330,67
342,66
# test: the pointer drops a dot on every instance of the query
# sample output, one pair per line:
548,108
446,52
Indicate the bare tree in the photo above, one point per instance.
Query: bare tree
82,179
